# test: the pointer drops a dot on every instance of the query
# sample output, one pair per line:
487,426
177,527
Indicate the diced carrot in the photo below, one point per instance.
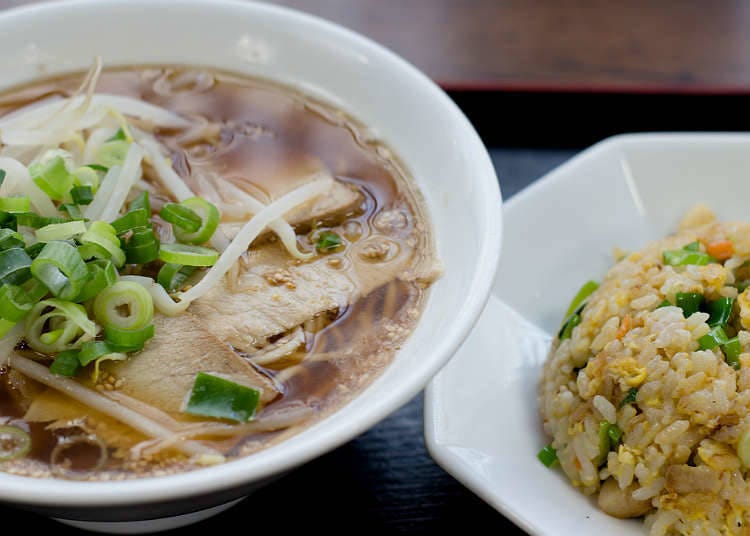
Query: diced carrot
721,250
624,326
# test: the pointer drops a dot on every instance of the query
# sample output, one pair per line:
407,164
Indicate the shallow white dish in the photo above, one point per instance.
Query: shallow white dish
400,105
481,413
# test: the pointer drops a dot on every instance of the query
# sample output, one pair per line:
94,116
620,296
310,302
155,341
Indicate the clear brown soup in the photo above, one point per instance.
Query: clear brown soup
262,138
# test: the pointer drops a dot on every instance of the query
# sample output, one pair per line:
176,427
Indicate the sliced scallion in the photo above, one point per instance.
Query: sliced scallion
100,241
69,320
217,397
548,456
31,219
112,153
141,201
583,293
209,216
128,340
188,255
682,257
125,305
60,231
52,177
713,338
181,216
15,264
132,220
92,350
60,267
142,246
66,363
74,211
172,276
328,241
689,302
719,311
102,275
82,195
732,350
10,239
13,205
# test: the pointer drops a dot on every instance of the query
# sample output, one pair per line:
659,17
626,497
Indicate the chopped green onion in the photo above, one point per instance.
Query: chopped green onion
10,239
52,177
209,216
119,135
30,219
584,292
15,302
74,211
615,435
681,257
82,195
131,220
217,397
713,338
141,201
605,444
112,153
720,311
97,167
14,443
172,276
93,350
51,337
188,255
14,266
53,315
141,246
732,350
87,176
66,363
328,241
126,305
60,231
548,456
2,176
60,267
567,329
100,241
5,327
692,246
689,302
102,274
13,205
34,249
128,340
629,398
664,303
180,216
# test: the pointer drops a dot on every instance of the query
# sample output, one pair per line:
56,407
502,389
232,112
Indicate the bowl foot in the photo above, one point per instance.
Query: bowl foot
148,525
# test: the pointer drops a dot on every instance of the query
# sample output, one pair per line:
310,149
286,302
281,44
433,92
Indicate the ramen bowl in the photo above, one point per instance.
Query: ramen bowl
432,138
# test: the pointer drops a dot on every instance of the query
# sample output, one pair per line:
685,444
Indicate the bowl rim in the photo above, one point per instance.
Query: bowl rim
285,456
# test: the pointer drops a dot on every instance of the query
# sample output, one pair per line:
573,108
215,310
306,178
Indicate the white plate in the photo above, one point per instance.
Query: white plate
481,413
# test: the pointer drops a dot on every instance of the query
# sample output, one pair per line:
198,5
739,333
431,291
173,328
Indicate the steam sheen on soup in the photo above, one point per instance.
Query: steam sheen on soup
193,266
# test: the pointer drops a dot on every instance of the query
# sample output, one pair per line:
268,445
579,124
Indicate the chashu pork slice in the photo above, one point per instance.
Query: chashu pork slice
277,293
163,373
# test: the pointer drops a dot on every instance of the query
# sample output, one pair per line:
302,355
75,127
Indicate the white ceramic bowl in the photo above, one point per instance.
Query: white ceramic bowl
482,419
402,106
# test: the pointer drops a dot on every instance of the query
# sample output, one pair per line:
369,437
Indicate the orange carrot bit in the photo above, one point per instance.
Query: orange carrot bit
624,326
721,250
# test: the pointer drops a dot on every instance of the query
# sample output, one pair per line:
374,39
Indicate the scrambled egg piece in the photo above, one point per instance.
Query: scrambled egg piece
628,369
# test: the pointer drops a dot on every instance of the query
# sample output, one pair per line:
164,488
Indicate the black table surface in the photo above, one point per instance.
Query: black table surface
383,481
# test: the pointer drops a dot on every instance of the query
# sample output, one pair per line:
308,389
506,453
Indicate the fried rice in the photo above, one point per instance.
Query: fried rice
648,405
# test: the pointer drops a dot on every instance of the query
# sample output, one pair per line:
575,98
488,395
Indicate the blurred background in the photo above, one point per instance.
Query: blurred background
540,81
